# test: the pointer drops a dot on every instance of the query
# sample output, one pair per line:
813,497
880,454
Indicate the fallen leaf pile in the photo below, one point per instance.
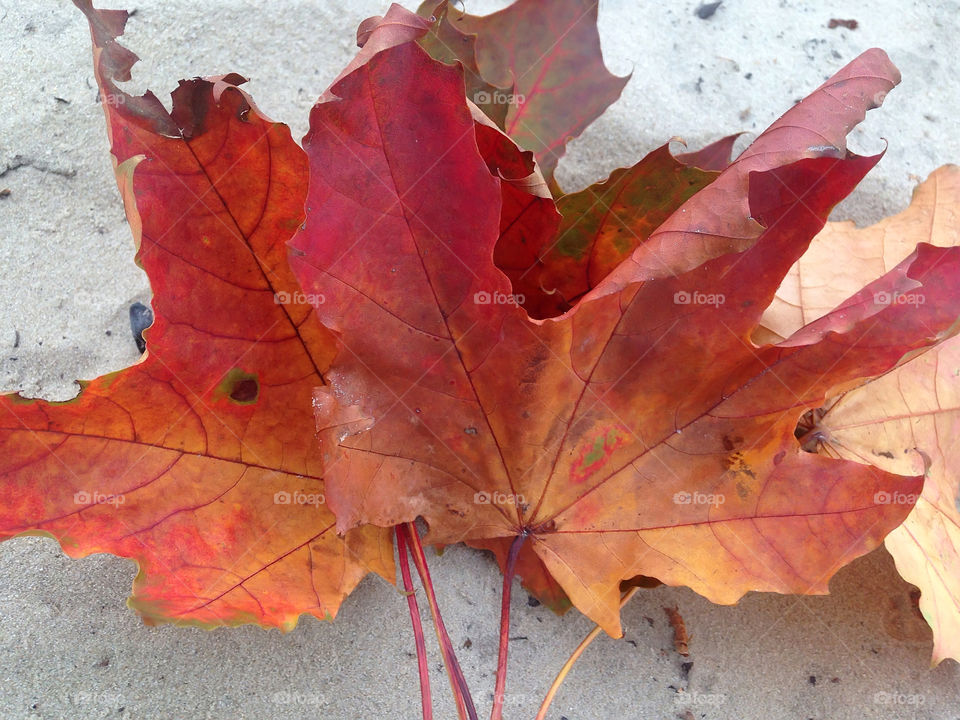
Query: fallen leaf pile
682,372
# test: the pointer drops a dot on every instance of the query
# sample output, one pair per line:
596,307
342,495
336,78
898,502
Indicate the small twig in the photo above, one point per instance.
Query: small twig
425,698
568,665
681,640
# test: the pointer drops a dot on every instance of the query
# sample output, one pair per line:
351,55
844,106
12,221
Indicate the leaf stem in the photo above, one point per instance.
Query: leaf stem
425,698
568,665
508,574
458,684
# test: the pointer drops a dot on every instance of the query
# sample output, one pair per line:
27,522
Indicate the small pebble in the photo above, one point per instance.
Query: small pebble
141,317
706,10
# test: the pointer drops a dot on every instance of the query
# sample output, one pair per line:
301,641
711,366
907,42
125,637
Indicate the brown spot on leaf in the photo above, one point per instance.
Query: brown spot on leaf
238,386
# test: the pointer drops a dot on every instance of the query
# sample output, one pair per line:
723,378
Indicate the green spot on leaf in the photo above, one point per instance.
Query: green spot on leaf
594,456
239,387
572,245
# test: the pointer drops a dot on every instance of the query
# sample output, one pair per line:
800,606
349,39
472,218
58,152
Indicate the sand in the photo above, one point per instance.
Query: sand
69,647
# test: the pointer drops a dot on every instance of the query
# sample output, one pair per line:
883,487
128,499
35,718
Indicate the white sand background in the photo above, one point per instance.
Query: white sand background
69,647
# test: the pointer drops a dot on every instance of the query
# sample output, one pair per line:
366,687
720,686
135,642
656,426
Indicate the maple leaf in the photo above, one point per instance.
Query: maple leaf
717,219
447,43
381,32
712,157
632,218
908,420
600,227
544,63
198,462
640,433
